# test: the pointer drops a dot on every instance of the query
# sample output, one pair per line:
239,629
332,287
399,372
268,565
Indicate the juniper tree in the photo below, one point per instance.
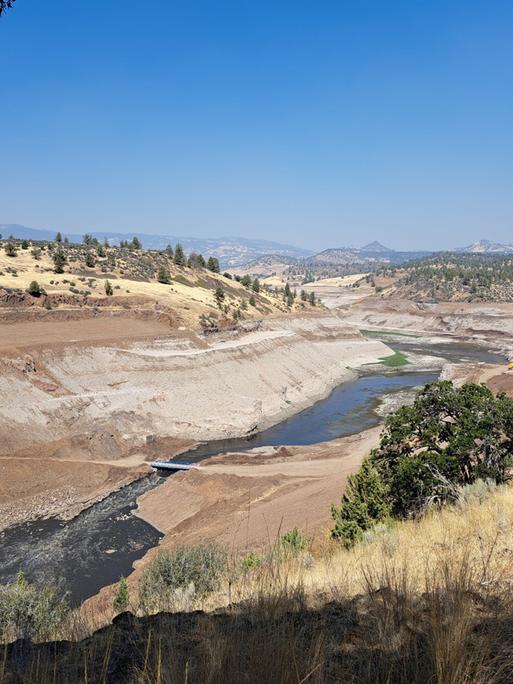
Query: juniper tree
179,255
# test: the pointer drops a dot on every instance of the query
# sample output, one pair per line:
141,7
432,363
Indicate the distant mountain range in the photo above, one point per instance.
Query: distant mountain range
371,254
486,247
231,251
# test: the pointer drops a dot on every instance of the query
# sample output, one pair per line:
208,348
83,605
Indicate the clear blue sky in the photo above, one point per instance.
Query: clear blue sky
321,123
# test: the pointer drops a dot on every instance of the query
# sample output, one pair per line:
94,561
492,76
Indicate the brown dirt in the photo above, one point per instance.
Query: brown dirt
43,334
497,377
243,501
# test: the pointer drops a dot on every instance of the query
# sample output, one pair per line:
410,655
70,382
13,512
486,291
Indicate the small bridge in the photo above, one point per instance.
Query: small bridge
170,465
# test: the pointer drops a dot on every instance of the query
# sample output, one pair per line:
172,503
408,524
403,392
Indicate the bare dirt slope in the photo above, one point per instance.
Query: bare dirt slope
244,500
125,398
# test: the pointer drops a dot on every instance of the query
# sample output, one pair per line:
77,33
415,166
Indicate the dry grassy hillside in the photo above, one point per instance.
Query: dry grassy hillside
191,291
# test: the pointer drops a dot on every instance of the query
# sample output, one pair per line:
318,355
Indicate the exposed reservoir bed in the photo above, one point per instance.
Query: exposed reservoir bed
101,544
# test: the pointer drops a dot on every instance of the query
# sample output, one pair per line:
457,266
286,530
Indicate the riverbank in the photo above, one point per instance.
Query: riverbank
131,401
244,499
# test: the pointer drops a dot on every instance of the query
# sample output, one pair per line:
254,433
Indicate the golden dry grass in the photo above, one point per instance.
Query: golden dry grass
424,601
187,292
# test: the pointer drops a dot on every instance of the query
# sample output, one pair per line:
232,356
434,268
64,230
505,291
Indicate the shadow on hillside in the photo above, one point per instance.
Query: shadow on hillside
382,637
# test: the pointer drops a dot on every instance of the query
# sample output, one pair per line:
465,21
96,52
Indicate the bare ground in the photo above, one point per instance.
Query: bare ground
244,500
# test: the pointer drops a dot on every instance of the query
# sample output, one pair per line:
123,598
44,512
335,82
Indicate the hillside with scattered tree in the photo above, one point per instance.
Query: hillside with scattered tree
58,274
454,278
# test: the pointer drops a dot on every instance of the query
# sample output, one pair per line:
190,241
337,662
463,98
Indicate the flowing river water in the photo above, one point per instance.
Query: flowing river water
101,543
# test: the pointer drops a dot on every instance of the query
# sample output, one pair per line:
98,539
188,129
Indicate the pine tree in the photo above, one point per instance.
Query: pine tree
163,276
58,237
59,261
89,260
219,295
213,264
108,289
179,255
256,285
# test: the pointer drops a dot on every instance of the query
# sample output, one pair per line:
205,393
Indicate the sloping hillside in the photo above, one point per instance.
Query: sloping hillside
455,278
123,280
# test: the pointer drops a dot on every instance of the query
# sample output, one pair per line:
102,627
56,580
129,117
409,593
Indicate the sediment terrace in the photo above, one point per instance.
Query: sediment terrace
125,401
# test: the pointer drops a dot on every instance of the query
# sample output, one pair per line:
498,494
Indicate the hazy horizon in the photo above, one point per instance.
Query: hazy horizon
314,126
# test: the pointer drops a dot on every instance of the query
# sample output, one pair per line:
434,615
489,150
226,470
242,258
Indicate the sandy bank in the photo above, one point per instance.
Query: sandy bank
244,500
107,400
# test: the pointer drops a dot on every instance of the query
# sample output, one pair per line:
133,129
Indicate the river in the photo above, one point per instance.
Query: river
100,545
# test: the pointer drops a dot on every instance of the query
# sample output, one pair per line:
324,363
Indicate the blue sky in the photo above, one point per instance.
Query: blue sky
316,123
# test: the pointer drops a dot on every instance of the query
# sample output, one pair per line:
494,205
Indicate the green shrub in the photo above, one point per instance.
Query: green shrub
430,453
251,561
31,612
10,249
201,567
122,598
365,503
34,289
292,542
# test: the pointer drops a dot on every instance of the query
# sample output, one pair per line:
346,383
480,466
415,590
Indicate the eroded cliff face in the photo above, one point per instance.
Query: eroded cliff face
104,401
492,320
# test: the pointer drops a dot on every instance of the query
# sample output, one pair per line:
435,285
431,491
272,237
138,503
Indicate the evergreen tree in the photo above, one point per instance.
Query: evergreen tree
256,285
89,260
219,296
169,251
59,260
179,255
192,261
163,276
213,264
108,289
58,237
136,243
